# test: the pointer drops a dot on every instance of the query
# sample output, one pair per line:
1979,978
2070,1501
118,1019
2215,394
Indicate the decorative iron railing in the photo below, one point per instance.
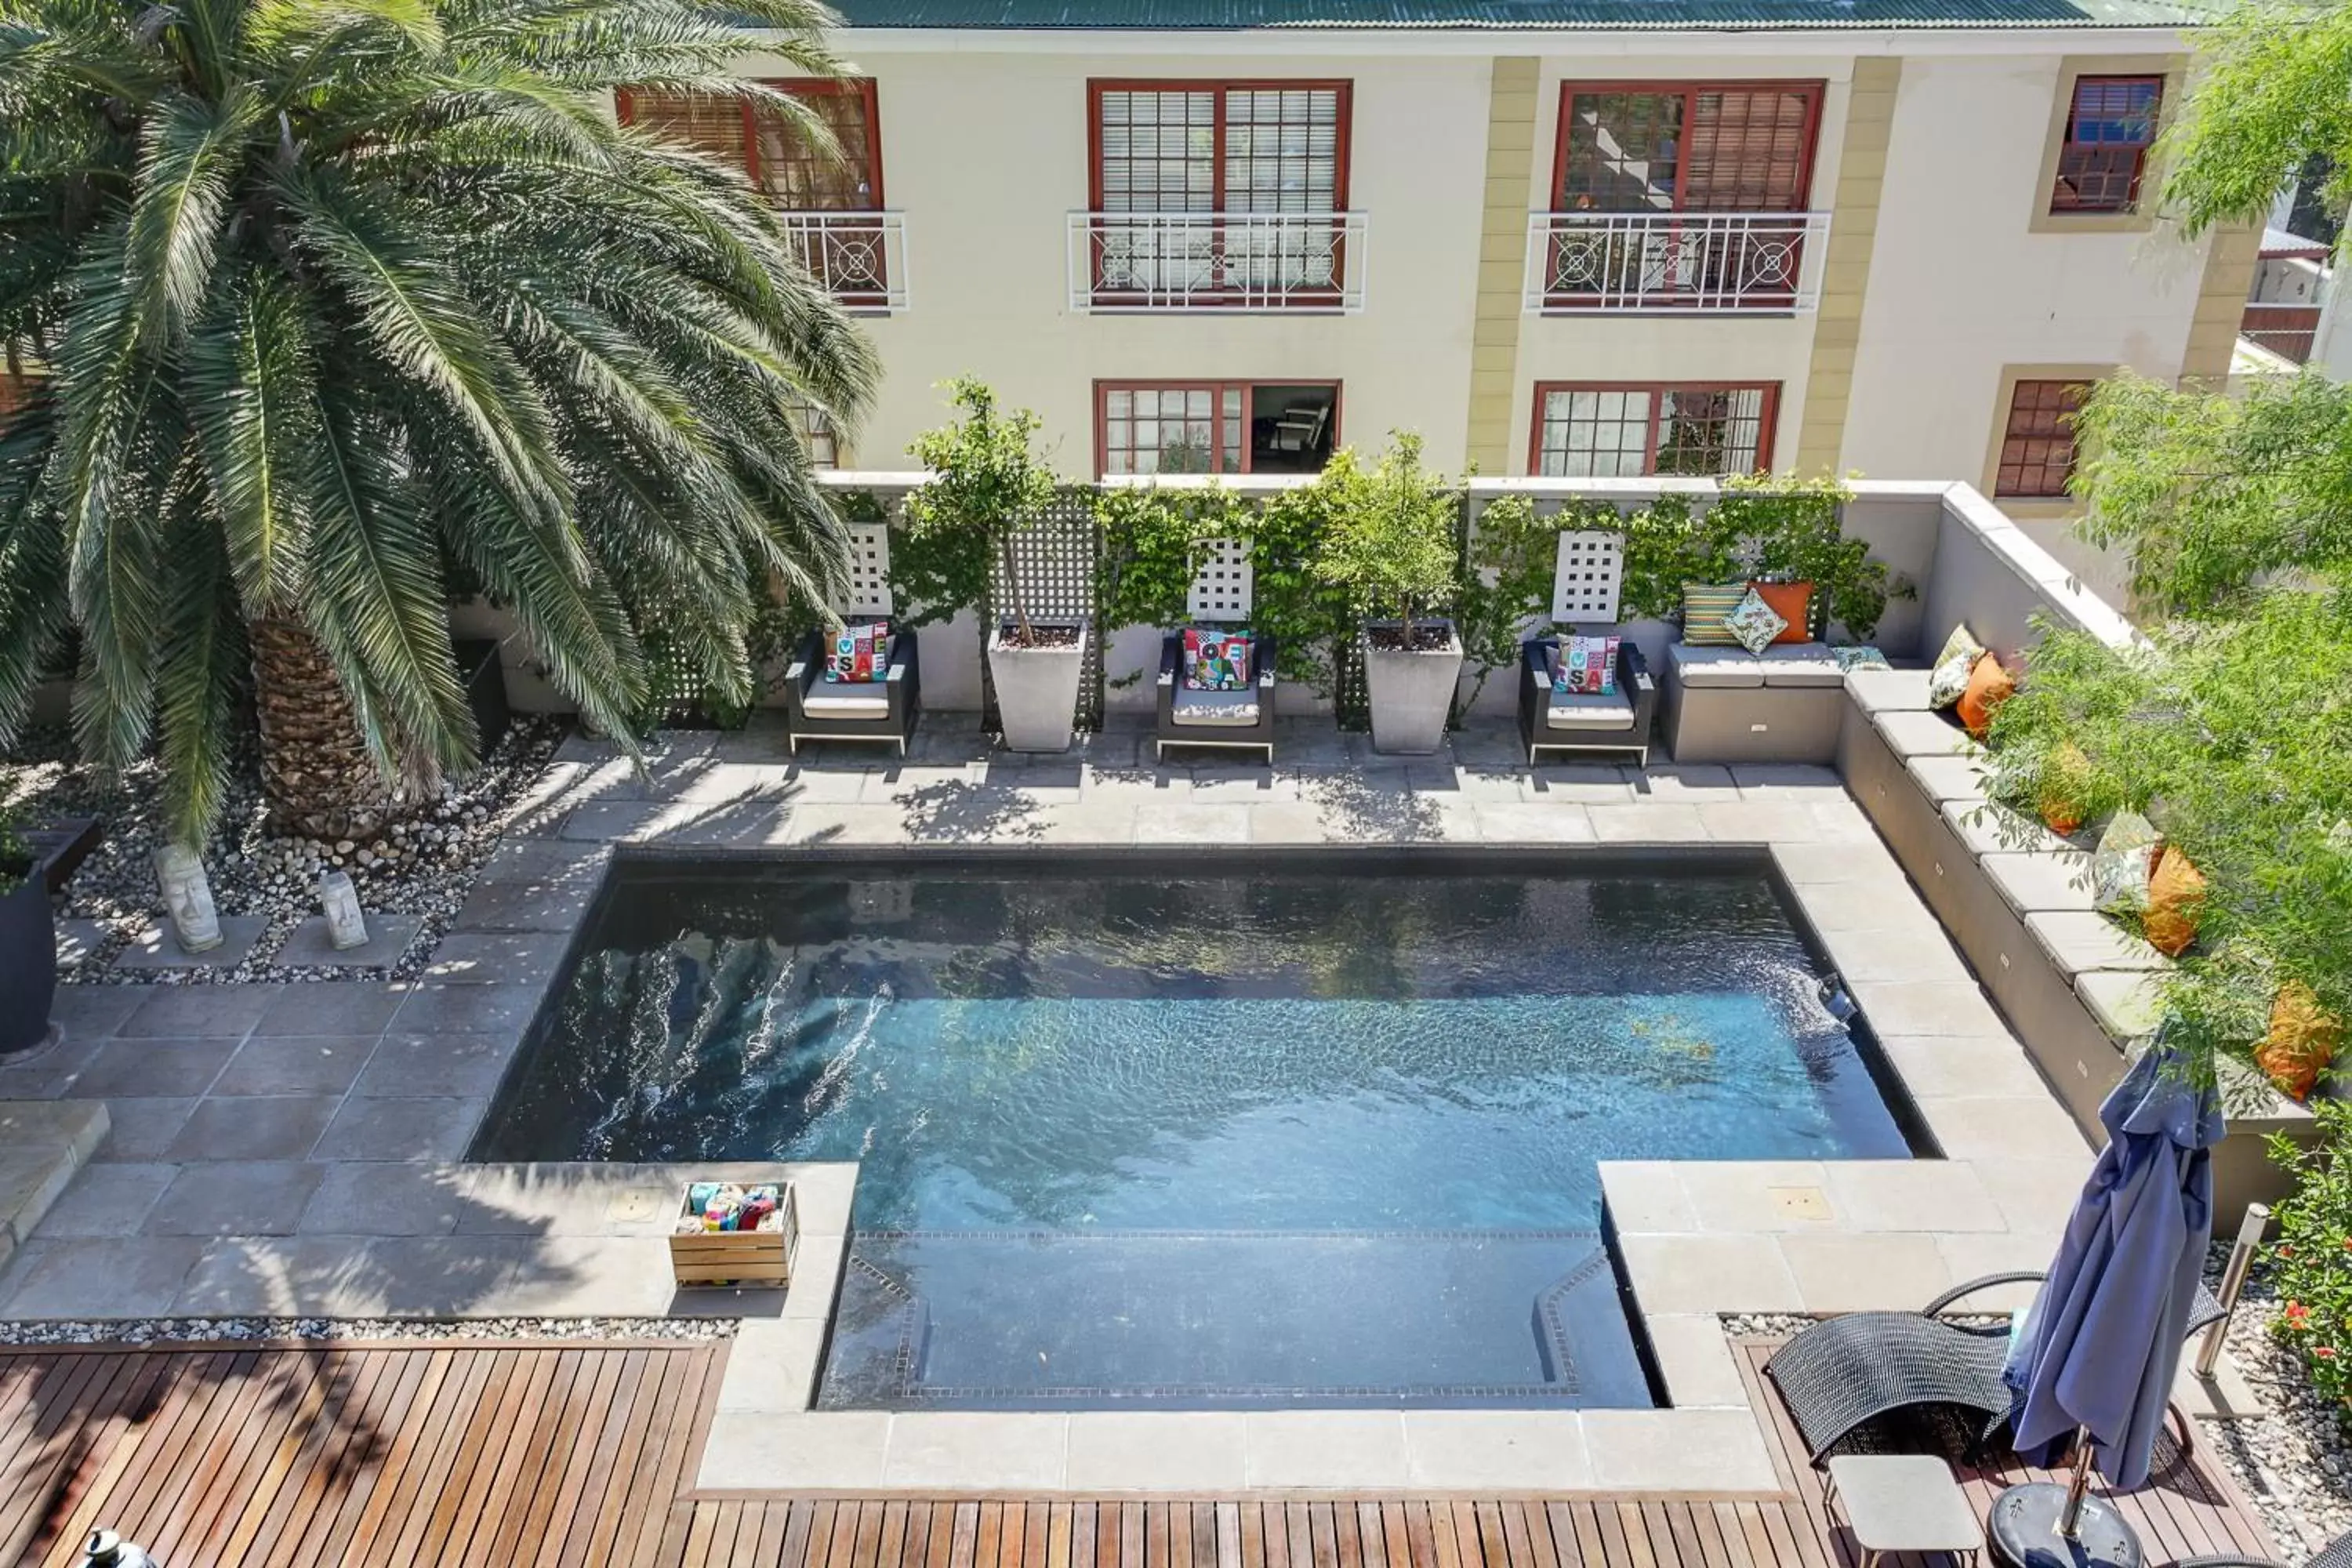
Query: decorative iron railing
1672,262
859,257
1217,261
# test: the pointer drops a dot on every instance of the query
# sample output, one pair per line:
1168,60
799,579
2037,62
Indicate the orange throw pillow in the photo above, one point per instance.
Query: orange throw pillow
2176,900
2302,1041
2062,779
1793,602
1989,686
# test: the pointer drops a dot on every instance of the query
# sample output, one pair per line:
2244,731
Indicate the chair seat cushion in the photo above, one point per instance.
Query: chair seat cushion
1589,713
1224,709
838,703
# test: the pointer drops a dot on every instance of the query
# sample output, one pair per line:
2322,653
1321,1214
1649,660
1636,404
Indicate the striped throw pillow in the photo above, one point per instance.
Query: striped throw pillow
1705,605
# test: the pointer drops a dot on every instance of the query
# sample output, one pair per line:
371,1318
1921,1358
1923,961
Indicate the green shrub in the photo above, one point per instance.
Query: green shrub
1389,543
987,483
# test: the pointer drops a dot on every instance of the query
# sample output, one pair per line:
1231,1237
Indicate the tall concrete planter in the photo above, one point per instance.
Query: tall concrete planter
1037,687
1411,690
28,964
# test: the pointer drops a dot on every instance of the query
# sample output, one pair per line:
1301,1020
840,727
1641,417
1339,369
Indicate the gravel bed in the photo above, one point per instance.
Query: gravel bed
2293,1462
423,868
176,1330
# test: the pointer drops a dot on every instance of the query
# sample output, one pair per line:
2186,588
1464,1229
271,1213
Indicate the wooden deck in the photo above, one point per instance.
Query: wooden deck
439,1455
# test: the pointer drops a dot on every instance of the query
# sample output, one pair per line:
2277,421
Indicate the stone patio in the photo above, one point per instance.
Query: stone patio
299,1149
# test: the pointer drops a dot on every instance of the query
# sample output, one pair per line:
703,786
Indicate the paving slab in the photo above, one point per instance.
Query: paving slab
837,1451
1719,1272
1694,1357
155,947
435,1128
437,1066
186,1011
489,958
388,938
1117,1451
79,940
1888,1271
152,1068
1662,1450
1327,1450
107,1277
295,1064
141,1129
339,1007
2081,940
42,1144
433,1008
1963,1067
383,1199
1486,1451
975,1448
234,1197
113,1201
94,1012
1955,1006
253,1127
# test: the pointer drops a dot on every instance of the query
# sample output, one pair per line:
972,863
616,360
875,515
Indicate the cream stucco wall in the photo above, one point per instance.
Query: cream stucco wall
985,142
1961,286
987,154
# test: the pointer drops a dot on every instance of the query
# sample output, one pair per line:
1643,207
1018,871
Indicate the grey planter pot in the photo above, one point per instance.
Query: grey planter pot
28,966
1037,689
1411,693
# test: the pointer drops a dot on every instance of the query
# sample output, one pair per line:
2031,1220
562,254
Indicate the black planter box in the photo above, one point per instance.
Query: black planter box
28,964
485,680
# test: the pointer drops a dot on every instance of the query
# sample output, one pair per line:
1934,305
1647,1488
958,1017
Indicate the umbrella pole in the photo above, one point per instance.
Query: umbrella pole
2078,1487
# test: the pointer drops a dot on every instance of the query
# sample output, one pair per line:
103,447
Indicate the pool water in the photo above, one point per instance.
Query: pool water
1139,1135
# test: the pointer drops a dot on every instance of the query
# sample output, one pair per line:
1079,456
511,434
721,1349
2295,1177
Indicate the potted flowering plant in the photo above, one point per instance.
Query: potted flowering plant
28,943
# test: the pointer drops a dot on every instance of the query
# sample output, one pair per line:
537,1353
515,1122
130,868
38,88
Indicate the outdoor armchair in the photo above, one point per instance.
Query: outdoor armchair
885,711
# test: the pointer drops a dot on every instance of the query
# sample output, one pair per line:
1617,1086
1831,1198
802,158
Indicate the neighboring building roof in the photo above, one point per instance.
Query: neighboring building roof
2279,245
1505,14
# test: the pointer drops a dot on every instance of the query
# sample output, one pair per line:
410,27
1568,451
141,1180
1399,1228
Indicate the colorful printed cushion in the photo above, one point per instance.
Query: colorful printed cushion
1793,602
1588,667
1950,671
2303,1038
1754,624
1990,685
1216,661
1704,606
2176,903
861,653
1862,657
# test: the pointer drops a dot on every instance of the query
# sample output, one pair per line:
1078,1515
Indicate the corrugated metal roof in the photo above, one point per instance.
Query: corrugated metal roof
1487,14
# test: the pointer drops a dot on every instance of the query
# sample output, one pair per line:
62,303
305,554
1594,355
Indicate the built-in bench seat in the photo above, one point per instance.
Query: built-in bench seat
1727,705
2076,987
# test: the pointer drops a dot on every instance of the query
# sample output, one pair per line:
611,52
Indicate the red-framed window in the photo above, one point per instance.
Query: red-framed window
2110,125
1731,146
818,438
1218,146
1622,429
1214,426
2037,441
1218,193
797,175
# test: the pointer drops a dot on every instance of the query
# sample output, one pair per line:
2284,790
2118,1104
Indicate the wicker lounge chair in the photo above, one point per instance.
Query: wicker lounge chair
1847,1371
2336,1553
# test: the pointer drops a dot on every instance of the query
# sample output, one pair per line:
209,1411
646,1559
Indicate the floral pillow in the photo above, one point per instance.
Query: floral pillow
861,653
1588,667
1864,657
1753,623
1216,661
1949,678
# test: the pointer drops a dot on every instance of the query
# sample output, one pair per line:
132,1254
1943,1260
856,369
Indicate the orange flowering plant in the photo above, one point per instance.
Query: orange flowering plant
2312,1263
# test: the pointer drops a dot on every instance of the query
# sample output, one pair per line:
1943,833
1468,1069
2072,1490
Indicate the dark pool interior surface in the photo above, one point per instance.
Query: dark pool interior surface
1236,1135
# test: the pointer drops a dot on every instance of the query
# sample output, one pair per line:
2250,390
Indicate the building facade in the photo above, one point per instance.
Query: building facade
1563,237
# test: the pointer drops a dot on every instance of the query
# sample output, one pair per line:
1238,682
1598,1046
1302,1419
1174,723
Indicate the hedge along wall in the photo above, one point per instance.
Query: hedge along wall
1900,523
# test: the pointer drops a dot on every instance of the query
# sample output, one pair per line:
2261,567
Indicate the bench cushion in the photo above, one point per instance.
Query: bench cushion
1221,709
1800,663
1590,714
820,703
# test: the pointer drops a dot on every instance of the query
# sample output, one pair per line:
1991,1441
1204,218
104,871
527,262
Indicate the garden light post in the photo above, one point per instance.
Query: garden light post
2234,1282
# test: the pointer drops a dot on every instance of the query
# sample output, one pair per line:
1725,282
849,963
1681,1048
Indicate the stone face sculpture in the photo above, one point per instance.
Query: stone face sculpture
188,895
346,923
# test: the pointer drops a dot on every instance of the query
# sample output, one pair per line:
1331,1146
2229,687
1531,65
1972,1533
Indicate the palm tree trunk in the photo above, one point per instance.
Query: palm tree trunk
316,772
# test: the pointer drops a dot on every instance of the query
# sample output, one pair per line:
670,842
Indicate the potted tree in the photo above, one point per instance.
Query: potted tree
29,945
987,484
1390,547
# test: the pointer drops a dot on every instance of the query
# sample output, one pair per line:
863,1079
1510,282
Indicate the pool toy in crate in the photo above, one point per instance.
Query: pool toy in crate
731,1234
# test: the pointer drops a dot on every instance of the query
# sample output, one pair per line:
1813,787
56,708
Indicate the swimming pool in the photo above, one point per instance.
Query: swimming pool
1225,1134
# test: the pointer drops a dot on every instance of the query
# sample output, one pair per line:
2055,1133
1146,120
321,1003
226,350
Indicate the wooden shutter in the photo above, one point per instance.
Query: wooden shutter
713,125
1750,148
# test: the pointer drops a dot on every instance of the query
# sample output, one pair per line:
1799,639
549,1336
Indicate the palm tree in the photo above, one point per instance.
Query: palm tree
339,308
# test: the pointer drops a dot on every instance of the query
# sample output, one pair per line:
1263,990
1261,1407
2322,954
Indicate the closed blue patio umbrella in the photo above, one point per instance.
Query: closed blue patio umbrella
2095,1358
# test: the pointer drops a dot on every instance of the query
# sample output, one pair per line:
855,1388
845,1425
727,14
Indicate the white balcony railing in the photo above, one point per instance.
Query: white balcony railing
859,257
1671,262
1217,261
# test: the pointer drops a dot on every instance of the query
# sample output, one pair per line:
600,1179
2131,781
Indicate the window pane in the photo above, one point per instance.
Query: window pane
1616,432
1711,433
1624,152
1174,430
1159,151
2037,449
2109,127
1602,434
797,175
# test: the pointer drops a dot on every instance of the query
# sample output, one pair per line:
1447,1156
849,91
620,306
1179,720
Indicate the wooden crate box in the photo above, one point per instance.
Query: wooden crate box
763,1257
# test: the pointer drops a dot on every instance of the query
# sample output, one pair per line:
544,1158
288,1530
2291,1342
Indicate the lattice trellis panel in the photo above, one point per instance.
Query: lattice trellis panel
1225,586
1585,584
869,572
1059,557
